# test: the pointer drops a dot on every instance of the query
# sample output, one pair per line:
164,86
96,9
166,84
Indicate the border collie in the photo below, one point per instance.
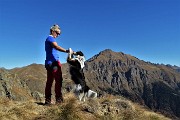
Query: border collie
76,61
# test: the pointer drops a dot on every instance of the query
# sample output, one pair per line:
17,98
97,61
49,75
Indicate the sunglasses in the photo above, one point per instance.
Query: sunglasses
57,33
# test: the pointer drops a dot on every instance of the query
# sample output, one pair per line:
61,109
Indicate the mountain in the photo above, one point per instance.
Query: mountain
152,85
156,86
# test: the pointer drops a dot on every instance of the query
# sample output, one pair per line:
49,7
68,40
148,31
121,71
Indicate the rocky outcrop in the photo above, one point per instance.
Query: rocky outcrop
12,87
157,86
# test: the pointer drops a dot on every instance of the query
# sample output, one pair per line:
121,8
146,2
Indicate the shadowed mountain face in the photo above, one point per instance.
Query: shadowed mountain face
156,86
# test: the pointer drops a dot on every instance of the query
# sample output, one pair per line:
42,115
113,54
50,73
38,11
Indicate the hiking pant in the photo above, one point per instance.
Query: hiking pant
54,73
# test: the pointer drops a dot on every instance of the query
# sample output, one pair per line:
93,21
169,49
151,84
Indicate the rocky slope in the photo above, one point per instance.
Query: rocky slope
12,87
157,86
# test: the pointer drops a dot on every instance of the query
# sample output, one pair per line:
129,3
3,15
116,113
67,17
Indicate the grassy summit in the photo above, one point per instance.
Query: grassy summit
105,108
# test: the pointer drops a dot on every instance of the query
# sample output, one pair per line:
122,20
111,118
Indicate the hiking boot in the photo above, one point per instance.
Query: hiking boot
47,104
59,100
47,101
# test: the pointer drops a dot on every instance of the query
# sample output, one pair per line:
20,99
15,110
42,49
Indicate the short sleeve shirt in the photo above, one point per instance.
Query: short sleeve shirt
51,53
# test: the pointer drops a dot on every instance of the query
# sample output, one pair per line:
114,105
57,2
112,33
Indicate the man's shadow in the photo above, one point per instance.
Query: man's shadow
40,103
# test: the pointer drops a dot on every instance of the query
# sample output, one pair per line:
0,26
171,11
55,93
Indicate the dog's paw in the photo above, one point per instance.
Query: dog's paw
92,94
78,87
70,51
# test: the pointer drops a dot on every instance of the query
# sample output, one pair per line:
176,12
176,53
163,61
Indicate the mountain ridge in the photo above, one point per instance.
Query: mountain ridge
154,85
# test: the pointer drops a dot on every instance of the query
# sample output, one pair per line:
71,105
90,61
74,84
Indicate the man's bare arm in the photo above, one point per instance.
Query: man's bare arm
57,47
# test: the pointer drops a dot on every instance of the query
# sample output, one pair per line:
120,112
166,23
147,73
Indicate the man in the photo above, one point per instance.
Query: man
53,65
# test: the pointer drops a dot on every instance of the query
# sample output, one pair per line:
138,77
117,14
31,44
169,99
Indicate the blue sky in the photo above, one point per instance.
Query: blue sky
146,29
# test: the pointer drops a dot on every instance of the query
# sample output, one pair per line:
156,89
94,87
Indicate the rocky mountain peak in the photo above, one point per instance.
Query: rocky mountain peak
122,74
107,54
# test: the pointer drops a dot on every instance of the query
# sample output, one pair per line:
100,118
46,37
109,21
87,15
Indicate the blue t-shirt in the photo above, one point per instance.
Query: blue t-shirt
51,53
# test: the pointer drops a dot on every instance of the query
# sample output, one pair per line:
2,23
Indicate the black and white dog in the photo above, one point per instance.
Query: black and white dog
76,61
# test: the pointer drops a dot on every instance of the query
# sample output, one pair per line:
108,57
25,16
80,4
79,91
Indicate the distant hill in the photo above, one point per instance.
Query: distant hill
116,73
174,67
34,75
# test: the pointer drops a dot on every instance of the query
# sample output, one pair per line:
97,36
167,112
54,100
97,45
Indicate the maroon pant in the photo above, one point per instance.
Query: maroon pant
54,72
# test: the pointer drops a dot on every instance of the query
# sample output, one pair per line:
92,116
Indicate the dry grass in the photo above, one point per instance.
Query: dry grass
11,110
106,108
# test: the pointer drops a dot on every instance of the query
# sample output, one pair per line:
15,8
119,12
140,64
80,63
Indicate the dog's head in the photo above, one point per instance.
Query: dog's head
80,57
79,53
76,58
